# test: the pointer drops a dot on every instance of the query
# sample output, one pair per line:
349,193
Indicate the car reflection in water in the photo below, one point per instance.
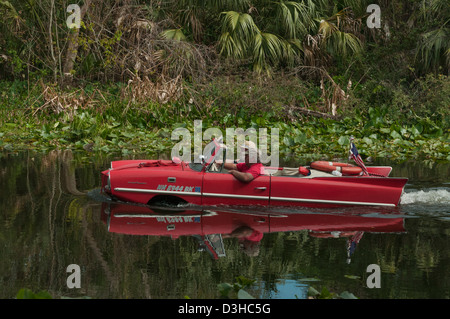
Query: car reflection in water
211,226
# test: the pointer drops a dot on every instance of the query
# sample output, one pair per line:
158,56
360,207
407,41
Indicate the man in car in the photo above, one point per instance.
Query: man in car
247,171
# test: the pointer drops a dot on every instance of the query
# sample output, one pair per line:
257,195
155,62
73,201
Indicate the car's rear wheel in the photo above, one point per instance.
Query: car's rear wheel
167,200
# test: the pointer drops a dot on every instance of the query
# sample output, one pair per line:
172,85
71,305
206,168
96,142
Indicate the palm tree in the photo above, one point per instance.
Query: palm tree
197,16
284,33
433,50
238,31
10,25
264,34
337,42
433,47
241,39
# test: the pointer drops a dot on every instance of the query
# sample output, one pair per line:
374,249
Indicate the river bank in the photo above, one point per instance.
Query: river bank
98,118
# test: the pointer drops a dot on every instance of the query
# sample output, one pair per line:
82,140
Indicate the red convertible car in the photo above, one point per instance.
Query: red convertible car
208,183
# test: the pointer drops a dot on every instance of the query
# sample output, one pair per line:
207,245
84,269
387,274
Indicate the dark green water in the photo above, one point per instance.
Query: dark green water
52,215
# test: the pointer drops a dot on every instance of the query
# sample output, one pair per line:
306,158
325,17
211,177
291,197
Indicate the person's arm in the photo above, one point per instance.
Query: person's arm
243,177
240,232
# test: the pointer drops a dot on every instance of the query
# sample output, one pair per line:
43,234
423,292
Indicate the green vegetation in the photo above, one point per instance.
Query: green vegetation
26,293
313,69
146,129
237,289
326,294
226,290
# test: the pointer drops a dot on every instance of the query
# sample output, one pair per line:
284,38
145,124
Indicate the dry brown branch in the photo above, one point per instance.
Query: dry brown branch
311,112
333,95
68,103
140,51
141,90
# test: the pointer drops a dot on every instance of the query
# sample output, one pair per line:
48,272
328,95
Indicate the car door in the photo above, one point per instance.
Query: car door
224,189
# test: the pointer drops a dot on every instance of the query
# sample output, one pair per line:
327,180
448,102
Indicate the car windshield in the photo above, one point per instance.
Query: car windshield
213,151
196,166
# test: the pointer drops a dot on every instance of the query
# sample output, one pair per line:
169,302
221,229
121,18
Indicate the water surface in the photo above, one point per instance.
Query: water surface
52,215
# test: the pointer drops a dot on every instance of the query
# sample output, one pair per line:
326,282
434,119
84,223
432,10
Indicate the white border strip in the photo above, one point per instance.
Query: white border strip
154,191
235,196
154,216
326,201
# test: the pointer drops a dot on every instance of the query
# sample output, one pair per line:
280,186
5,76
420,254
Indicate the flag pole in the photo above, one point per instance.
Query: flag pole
350,149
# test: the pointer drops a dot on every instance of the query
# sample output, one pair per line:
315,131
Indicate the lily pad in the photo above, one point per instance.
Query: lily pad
242,294
347,295
308,279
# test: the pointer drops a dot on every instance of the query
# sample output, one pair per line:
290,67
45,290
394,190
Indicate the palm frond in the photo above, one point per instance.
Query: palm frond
240,24
327,28
433,48
295,18
447,58
267,51
338,42
236,5
238,31
431,9
231,47
291,49
173,34
358,7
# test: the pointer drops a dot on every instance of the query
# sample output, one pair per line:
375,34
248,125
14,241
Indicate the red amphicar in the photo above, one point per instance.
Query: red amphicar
209,183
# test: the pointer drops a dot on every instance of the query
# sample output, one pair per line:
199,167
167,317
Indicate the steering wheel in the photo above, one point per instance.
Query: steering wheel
214,167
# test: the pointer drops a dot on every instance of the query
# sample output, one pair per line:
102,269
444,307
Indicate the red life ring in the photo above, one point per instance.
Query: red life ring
344,168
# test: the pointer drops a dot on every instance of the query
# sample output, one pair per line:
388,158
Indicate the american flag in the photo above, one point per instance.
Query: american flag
352,243
357,158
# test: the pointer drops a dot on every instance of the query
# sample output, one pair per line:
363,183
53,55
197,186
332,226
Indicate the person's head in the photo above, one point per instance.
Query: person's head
251,152
250,248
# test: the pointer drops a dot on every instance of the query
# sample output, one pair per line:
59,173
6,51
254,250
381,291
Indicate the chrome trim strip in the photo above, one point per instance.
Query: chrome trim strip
205,213
326,201
154,216
235,196
154,191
